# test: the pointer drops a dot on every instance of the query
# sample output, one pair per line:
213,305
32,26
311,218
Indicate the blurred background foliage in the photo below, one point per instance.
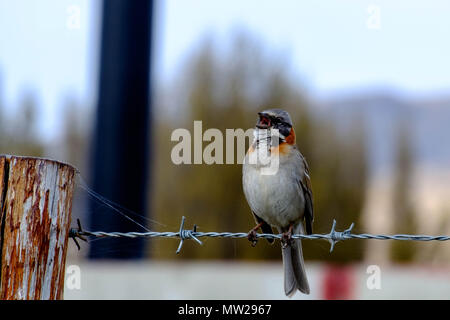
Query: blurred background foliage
226,91
404,220
19,136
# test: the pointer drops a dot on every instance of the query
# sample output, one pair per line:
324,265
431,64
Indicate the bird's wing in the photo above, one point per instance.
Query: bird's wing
305,183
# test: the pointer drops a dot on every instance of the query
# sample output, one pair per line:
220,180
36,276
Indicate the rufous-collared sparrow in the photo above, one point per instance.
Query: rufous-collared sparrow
280,198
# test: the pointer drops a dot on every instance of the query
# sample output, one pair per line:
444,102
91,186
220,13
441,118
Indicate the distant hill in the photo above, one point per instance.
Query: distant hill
382,111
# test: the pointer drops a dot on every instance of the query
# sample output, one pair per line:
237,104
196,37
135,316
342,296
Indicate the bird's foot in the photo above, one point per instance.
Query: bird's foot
251,236
286,237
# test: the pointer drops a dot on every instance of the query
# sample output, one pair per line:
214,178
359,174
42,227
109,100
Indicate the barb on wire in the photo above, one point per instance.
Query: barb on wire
333,236
337,236
77,233
186,234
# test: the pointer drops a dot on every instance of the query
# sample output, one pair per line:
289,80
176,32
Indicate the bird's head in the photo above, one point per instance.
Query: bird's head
277,119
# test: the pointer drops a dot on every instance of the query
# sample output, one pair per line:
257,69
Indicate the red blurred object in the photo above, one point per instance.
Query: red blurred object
338,283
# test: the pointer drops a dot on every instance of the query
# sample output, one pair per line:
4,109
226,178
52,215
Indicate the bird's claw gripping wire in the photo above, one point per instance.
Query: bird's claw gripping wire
251,236
335,236
77,233
186,234
286,237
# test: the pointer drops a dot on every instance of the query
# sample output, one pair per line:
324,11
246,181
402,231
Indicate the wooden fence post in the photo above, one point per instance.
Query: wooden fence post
36,204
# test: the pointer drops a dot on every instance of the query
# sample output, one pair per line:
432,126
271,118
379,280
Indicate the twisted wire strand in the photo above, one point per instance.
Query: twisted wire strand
153,234
183,234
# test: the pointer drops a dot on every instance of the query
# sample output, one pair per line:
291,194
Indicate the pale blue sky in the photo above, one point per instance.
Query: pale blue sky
328,41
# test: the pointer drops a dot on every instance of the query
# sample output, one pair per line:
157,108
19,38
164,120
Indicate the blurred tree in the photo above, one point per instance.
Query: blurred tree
76,135
433,252
339,173
73,148
226,91
404,216
19,136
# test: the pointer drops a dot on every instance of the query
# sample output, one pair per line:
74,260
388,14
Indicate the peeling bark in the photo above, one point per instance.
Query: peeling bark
36,204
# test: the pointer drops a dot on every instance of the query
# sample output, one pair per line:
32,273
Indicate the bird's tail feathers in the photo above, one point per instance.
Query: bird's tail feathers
294,266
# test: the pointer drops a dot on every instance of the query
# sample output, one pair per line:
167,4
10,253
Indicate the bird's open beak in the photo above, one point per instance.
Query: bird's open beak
263,121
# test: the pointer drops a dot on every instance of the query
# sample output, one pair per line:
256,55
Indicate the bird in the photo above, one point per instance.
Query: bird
281,198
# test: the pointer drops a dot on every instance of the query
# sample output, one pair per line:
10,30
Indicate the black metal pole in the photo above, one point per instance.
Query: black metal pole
120,149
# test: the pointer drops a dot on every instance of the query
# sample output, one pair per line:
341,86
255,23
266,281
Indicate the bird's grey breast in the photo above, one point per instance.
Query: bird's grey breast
276,198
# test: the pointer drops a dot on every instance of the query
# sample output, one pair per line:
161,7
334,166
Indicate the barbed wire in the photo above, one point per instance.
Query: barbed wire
184,234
